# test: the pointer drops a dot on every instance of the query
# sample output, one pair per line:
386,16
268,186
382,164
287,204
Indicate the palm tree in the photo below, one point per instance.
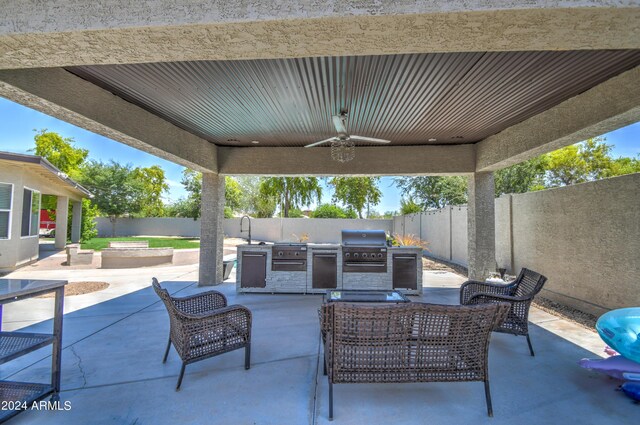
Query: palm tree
292,192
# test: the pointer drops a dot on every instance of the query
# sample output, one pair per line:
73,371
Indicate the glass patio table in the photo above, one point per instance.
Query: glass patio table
365,296
18,396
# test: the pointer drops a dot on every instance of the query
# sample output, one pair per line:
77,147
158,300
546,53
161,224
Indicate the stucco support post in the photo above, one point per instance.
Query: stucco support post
62,216
211,229
481,226
76,221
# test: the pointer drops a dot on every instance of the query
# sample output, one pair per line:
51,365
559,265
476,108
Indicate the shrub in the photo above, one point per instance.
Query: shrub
332,211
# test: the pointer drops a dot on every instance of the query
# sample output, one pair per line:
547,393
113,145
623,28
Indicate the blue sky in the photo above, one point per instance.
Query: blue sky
17,125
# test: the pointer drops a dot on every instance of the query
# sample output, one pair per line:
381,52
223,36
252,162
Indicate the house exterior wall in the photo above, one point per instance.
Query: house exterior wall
18,250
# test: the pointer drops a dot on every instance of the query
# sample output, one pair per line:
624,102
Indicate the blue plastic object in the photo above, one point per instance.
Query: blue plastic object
631,389
620,329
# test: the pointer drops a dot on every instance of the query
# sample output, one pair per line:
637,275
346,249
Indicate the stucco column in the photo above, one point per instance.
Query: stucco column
76,221
62,216
211,229
481,226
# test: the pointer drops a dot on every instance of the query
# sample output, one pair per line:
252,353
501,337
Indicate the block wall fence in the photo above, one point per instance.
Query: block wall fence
585,238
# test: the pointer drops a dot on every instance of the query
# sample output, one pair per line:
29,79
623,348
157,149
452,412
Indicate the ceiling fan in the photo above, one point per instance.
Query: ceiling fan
339,121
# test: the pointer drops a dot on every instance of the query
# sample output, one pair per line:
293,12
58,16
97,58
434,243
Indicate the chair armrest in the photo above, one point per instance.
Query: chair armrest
200,303
483,298
473,287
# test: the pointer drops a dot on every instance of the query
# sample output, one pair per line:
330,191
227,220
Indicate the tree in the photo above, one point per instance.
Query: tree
622,166
116,191
252,201
434,191
356,192
291,192
154,185
582,162
409,206
520,178
190,206
232,194
60,152
332,211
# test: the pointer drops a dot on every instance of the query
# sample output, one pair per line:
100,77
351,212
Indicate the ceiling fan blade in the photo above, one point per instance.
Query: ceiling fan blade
339,124
368,139
330,139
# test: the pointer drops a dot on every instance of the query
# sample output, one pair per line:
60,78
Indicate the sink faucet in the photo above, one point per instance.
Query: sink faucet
249,220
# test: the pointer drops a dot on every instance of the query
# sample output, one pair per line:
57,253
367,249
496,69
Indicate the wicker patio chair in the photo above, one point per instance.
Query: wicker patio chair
518,293
412,342
203,326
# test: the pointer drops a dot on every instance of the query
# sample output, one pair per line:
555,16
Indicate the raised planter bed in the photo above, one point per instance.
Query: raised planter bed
125,258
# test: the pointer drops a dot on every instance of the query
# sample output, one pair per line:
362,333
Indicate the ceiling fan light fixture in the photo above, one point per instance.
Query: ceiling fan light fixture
343,150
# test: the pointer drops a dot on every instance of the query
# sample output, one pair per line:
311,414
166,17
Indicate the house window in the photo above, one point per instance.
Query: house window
30,212
6,190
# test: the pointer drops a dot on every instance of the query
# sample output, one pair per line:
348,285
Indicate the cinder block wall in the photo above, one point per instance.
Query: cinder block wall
585,239
319,230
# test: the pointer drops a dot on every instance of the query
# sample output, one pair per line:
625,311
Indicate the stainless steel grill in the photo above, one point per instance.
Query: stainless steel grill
364,251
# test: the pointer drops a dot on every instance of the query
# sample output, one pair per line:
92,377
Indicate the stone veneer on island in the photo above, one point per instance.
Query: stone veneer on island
255,262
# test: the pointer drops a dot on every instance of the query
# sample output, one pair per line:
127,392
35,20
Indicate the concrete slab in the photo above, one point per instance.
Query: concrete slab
112,371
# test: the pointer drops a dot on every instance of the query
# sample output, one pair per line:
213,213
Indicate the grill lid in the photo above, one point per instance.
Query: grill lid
364,238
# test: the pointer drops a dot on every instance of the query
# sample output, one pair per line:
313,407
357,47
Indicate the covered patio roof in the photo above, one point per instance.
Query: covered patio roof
462,88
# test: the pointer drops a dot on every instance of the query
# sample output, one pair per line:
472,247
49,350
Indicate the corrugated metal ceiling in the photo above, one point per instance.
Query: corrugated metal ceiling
451,97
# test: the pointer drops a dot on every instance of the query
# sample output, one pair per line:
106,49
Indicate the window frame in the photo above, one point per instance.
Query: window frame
31,215
10,211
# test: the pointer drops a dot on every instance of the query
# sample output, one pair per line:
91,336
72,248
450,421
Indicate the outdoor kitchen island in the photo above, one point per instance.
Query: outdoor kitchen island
362,261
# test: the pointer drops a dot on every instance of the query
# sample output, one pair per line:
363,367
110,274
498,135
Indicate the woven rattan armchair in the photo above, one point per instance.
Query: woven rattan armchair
518,294
413,342
203,326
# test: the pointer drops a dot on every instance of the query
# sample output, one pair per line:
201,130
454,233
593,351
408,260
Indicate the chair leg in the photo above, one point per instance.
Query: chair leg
166,352
530,346
487,394
181,375
324,364
330,401
247,356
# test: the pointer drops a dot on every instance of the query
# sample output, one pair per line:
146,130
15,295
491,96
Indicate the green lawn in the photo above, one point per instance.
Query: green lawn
175,243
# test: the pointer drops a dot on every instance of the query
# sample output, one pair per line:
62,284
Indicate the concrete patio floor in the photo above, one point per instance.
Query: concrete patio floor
112,371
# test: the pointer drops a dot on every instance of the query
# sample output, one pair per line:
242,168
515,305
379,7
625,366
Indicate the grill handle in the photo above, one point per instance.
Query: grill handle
288,263
365,264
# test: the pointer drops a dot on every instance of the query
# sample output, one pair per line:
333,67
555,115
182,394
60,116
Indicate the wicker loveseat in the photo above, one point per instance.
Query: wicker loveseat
415,342
203,326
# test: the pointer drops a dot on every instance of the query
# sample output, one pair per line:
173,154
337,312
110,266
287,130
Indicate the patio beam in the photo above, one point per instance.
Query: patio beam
59,93
604,108
67,32
387,160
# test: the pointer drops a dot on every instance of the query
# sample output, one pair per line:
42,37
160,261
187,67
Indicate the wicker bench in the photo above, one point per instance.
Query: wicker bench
413,342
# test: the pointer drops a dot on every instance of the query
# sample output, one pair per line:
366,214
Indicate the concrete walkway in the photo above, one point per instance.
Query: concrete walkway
112,371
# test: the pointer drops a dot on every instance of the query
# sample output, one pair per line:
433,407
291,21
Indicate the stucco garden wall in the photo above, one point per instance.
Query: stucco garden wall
319,230
585,238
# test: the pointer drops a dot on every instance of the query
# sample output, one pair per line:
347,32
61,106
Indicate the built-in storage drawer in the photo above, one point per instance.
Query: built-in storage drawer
405,271
325,271
254,270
